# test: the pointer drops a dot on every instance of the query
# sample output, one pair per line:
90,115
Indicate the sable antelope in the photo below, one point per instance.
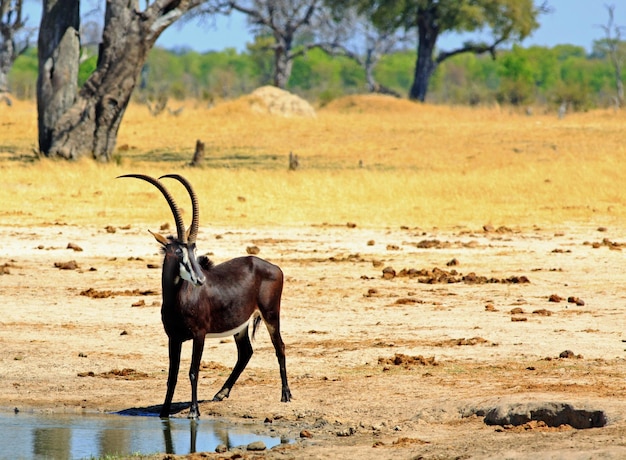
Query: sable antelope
205,300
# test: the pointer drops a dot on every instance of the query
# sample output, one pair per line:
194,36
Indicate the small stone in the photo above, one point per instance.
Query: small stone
452,263
389,273
555,298
576,300
256,446
74,247
221,448
253,250
306,434
70,265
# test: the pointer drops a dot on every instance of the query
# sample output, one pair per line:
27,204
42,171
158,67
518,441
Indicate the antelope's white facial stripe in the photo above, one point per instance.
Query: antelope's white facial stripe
186,272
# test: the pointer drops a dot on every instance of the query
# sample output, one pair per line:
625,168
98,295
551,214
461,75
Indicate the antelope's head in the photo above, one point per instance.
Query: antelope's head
183,246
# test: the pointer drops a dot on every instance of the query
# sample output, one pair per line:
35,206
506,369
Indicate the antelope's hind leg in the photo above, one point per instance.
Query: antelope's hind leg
244,353
279,346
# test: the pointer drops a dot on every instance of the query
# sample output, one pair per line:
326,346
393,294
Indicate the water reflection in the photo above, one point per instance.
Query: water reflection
63,436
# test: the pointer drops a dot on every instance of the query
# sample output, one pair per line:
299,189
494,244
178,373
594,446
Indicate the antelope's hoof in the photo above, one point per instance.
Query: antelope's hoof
286,397
221,395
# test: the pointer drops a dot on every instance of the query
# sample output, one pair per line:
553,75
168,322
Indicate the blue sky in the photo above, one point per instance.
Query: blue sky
573,22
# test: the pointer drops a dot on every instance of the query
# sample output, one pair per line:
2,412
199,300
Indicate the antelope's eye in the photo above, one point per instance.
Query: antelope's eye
179,252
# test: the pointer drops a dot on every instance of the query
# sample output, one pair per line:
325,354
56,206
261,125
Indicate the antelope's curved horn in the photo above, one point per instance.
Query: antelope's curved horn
180,224
193,228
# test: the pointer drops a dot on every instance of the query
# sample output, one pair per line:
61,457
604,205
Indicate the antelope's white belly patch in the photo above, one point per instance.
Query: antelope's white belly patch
217,335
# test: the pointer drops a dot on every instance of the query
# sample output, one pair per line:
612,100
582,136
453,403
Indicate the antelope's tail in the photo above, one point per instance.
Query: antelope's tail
255,323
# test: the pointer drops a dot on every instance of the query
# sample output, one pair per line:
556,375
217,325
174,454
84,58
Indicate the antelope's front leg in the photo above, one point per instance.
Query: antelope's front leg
194,370
174,347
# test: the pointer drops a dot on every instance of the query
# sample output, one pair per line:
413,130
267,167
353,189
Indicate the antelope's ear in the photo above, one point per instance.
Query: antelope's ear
160,238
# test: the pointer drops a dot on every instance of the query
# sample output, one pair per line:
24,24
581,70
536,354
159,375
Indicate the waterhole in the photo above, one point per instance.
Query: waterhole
69,436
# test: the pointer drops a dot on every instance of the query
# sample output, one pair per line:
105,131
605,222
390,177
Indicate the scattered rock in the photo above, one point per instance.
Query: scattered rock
576,300
306,434
407,301
110,229
256,446
453,263
96,294
552,414
428,244
542,312
439,276
221,448
555,298
569,354
70,265
253,250
389,273
517,311
607,243
74,247
490,307
463,342
346,432
406,361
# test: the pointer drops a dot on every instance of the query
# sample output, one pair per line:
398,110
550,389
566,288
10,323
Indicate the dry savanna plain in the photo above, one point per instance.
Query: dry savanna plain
454,277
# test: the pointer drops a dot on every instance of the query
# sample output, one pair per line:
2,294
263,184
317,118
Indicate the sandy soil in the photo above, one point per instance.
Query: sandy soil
403,366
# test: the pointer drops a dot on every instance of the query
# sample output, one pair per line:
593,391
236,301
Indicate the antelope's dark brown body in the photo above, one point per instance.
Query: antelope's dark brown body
204,300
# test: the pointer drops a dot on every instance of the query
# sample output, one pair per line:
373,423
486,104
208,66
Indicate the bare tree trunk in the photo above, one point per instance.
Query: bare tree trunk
11,23
613,49
283,63
90,125
425,65
59,49
6,62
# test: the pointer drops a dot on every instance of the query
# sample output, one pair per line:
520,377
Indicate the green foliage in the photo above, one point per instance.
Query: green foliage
86,68
519,76
23,75
317,72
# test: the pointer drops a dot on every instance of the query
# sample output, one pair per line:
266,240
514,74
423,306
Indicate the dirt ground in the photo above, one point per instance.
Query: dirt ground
387,357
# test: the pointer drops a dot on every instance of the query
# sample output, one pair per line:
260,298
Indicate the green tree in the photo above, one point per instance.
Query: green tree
505,19
517,84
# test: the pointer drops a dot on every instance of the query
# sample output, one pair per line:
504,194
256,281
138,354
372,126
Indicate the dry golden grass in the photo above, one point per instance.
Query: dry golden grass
371,160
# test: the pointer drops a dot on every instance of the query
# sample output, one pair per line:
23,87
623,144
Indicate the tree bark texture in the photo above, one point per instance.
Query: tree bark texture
10,24
425,65
283,62
58,49
89,126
